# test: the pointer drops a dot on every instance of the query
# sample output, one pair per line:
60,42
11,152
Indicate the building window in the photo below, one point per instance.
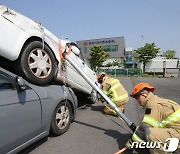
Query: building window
110,48
128,55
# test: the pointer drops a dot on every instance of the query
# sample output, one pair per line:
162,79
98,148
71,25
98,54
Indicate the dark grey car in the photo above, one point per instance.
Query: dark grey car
28,112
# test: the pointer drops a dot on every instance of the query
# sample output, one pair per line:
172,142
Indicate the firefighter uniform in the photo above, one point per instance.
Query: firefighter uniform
116,92
160,122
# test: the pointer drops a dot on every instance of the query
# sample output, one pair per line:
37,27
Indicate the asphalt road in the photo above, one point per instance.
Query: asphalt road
95,133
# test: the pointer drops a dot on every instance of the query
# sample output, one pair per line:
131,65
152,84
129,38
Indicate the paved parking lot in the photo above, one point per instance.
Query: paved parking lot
95,133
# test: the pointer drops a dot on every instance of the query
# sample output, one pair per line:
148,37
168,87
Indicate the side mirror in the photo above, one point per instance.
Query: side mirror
21,83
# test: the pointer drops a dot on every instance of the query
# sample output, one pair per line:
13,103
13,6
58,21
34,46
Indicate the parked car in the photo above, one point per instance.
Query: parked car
29,112
34,53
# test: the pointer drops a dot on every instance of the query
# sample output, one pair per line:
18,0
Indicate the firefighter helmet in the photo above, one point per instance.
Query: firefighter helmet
140,86
100,77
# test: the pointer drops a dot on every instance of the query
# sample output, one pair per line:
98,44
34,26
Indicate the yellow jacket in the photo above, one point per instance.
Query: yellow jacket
161,112
114,89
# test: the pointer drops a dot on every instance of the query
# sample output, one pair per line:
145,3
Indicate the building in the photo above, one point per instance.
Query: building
115,46
129,61
161,65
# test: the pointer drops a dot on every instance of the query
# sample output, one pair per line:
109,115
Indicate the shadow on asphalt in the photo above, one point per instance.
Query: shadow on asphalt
121,138
33,146
98,108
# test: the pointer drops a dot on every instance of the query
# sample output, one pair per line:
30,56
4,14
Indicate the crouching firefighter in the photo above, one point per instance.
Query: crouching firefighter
115,91
160,123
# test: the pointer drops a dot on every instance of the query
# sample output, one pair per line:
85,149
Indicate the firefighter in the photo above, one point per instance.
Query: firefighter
115,91
161,120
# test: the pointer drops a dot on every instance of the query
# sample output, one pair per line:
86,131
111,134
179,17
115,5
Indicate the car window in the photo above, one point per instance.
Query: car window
5,83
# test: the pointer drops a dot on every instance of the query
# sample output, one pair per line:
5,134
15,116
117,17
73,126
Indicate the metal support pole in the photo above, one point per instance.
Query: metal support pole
131,125
178,66
164,68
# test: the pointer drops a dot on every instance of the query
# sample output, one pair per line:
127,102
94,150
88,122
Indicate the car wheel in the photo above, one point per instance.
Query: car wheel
94,96
61,118
37,65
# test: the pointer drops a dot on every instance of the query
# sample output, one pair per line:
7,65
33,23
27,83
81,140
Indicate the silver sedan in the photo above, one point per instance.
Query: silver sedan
29,112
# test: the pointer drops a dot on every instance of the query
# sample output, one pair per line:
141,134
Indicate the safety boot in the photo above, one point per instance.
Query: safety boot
109,111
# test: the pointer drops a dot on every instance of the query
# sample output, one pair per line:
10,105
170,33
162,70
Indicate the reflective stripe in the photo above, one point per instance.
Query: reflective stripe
115,96
170,119
136,138
152,122
106,92
172,102
115,86
128,145
114,81
119,98
113,89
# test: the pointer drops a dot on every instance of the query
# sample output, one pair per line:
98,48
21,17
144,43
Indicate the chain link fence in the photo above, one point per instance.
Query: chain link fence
122,72
154,72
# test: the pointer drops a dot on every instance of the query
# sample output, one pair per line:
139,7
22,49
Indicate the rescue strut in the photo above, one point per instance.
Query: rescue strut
66,56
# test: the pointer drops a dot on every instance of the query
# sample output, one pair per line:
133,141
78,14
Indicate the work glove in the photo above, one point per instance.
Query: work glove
135,150
129,143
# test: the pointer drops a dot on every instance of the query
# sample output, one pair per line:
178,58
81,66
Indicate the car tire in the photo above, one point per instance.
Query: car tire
94,96
36,65
61,118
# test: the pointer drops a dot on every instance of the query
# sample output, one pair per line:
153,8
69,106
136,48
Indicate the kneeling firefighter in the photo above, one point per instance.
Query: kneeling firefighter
115,91
161,122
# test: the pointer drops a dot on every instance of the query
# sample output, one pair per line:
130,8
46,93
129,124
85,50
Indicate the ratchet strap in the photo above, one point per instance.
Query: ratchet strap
60,50
63,67
121,151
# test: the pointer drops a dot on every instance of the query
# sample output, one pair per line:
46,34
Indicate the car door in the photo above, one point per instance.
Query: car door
78,59
74,76
20,114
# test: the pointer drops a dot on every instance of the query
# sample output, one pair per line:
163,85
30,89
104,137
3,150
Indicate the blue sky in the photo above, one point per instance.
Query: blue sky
157,20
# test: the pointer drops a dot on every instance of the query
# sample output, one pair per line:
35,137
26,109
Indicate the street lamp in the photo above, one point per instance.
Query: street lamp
142,40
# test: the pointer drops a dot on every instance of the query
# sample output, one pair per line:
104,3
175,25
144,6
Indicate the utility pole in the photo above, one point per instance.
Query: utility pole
143,51
142,40
164,67
178,66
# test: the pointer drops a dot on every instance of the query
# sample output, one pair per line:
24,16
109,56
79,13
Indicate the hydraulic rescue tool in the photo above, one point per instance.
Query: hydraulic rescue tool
66,56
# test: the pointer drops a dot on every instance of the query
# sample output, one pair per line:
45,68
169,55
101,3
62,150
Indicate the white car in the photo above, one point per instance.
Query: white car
35,53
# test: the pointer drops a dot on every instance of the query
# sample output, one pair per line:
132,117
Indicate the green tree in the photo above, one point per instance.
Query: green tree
146,53
97,57
109,64
169,54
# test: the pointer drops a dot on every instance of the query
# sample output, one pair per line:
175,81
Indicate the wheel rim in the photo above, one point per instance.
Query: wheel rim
93,95
40,63
62,117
